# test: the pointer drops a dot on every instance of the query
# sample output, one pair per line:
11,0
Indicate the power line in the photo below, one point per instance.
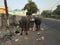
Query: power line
55,4
52,2
14,3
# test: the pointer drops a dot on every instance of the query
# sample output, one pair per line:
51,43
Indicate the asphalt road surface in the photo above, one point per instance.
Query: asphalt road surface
50,30
53,23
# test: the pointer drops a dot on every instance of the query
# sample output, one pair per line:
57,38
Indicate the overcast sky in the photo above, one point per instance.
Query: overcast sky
41,4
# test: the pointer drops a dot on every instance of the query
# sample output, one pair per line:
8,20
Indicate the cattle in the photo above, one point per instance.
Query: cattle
24,24
28,22
37,23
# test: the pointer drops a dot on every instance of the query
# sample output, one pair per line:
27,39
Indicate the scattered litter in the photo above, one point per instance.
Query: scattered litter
0,32
42,29
38,33
26,38
38,39
41,39
16,40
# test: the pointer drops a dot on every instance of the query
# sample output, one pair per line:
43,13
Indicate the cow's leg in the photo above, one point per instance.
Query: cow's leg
21,31
36,27
26,31
40,26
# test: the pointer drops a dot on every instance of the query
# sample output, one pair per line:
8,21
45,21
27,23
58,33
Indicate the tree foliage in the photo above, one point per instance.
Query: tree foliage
57,10
31,7
46,13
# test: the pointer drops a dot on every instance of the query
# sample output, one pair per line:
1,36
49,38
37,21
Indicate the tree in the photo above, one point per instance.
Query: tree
31,7
46,13
57,10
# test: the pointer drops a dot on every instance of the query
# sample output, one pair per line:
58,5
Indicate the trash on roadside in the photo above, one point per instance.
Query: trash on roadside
0,32
41,39
25,37
16,39
42,29
38,33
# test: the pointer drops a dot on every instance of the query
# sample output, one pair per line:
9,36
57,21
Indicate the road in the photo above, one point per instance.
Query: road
50,30
55,24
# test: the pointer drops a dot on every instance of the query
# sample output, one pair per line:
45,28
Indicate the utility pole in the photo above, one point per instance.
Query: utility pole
6,10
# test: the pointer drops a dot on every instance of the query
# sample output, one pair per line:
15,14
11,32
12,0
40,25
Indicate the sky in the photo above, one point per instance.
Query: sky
41,4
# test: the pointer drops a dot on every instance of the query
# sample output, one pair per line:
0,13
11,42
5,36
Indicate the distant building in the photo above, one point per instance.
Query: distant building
18,12
2,9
